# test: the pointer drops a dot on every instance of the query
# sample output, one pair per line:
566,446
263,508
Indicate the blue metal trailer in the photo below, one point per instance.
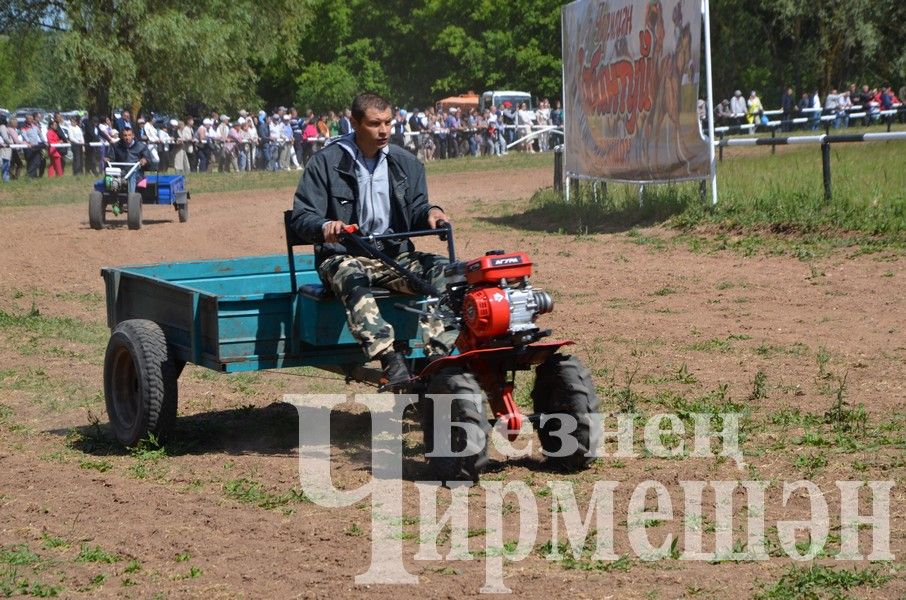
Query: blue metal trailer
229,315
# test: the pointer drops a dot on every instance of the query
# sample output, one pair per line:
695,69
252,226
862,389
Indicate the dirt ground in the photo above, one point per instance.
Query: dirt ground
666,325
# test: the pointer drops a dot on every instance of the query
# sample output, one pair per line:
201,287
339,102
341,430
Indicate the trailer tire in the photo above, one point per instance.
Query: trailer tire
140,382
467,409
183,209
96,210
563,386
134,211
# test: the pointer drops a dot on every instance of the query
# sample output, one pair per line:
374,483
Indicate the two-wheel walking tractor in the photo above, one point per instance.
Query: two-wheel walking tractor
113,191
270,312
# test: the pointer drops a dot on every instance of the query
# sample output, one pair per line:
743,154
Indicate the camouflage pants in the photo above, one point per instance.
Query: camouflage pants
351,277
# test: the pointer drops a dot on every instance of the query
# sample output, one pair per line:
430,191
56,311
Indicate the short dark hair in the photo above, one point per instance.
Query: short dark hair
367,100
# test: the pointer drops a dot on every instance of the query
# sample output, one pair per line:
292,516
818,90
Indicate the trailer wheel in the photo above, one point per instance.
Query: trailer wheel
134,211
96,210
140,382
563,386
466,408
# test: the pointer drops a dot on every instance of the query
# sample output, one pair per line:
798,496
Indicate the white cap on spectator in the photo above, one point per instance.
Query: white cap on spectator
261,113
286,117
241,121
173,122
224,118
141,119
243,113
207,121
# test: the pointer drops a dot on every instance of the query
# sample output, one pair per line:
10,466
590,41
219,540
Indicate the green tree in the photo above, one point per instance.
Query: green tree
165,54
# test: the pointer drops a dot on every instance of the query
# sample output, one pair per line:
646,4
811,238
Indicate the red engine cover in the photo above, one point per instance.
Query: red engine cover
487,312
493,268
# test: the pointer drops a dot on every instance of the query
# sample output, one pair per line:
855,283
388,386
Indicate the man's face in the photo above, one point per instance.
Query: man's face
126,116
372,132
127,136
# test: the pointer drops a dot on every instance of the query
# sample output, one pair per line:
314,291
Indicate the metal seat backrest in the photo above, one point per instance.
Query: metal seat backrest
292,240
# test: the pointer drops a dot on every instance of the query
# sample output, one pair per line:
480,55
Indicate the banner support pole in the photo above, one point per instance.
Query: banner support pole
706,14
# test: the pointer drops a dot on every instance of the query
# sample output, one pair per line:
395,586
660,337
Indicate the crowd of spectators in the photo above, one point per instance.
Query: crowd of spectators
40,145
863,105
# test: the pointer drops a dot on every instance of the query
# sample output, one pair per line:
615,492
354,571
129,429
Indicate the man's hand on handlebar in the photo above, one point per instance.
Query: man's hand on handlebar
435,216
332,231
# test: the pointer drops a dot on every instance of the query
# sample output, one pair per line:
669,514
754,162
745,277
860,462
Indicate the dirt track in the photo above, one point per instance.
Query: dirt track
189,523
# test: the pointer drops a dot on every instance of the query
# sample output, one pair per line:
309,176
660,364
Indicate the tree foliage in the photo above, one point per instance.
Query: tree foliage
164,53
173,55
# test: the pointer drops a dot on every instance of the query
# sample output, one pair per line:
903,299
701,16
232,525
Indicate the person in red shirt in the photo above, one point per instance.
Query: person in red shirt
55,169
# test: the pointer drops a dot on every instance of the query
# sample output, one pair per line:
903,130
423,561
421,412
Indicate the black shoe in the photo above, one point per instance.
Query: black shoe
396,374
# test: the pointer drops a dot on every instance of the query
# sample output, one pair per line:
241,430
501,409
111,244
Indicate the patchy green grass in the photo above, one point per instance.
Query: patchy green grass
819,581
75,190
249,491
768,204
95,554
51,392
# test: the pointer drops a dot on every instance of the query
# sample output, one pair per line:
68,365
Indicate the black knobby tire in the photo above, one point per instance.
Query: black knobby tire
96,210
467,407
140,382
563,386
183,210
134,211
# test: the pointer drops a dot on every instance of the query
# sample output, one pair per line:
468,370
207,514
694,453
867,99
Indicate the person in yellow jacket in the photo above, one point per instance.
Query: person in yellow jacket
754,111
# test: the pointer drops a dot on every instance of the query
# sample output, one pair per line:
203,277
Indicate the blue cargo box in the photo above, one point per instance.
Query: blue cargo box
165,188
239,314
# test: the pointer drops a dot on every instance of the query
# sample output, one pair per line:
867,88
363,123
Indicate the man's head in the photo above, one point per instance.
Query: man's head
127,116
367,100
127,135
371,120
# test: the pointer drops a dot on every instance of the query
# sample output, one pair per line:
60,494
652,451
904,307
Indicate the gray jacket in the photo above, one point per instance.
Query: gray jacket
328,191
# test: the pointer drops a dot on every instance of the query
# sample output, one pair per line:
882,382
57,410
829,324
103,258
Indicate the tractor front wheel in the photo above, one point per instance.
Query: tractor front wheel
140,382
96,210
134,211
459,401
563,386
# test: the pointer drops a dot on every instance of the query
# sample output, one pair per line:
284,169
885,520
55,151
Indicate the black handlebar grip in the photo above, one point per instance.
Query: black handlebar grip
441,224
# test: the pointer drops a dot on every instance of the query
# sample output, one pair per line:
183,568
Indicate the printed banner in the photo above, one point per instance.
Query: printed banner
630,81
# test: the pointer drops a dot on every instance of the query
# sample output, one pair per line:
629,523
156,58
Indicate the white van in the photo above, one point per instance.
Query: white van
497,98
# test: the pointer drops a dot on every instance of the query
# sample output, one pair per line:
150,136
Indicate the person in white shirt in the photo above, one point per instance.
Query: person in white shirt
77,139
182,142
738,107
250,132
224,148
149,133
524,120
543,119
